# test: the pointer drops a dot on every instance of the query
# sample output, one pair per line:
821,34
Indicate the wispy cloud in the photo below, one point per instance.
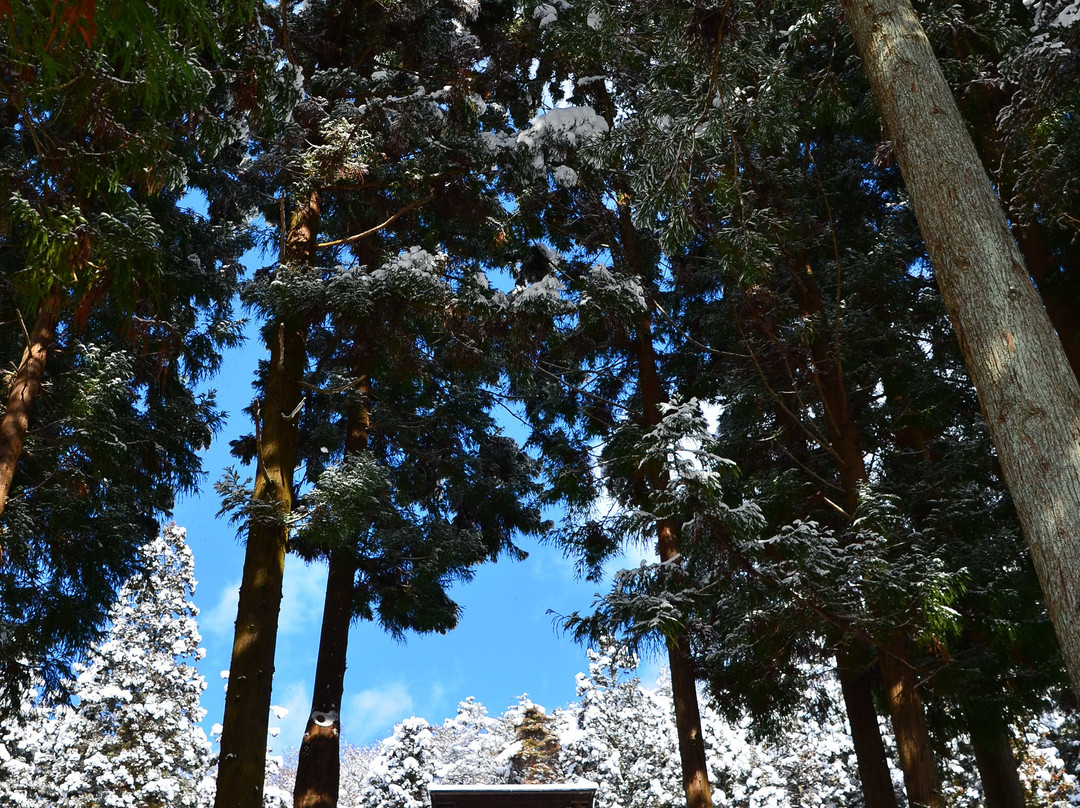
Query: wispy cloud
303,591
302,597
371,711
295,698
217,622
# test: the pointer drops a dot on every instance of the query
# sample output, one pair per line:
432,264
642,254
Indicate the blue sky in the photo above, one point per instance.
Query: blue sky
506,644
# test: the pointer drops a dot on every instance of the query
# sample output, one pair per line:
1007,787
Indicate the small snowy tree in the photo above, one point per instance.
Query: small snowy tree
400,774
133,739
622,736
473,748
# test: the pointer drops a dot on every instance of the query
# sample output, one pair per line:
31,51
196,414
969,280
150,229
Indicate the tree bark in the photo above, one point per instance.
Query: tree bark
996,763
1028,392
25,388
688,725
318,766
242,763
906,709
921,778
683,683
877,786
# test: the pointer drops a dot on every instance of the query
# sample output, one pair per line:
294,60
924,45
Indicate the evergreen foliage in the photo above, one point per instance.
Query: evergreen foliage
620,735
113,112
132,737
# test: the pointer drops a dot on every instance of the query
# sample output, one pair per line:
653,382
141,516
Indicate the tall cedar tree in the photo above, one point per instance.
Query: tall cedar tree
749,235
1030,397
646,154
599,382
383,326
824,332
114,294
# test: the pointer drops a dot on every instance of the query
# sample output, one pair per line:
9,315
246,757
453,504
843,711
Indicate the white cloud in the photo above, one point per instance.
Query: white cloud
303,592
302,597
217,623
295,698
371,713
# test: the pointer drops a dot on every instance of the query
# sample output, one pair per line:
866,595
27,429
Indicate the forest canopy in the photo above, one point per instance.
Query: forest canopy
787,293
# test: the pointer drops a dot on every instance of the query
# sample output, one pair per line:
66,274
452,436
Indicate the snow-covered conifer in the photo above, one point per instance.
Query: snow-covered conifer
473,748
400,774
622,736
133,737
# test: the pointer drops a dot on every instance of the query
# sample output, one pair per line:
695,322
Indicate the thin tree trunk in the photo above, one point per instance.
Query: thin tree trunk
242,763
683,683
1028,392
877,786
996,763
906,709
318,766
909,725
25,388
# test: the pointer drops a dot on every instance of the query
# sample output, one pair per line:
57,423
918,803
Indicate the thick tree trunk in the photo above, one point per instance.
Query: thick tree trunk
1028,392
242,764
318,766
866,739
688,725
25,388
683,683
909,725
996,763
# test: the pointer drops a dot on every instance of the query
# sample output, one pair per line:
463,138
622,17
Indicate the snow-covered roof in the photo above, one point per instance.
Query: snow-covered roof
531,795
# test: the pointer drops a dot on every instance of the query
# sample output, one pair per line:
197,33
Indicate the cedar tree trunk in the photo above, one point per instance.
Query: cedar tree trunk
25,388
909,725
877,786
1028,392
996,763
318,766
242,763
683,683
905,705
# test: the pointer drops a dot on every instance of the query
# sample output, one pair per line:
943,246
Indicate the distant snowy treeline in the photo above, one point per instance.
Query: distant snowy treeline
621,735
133,740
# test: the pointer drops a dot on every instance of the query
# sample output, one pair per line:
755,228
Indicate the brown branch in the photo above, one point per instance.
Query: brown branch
373,230
693,341
285,33
817,439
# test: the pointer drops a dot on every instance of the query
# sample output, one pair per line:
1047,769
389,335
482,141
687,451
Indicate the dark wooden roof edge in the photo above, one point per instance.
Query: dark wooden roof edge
584,785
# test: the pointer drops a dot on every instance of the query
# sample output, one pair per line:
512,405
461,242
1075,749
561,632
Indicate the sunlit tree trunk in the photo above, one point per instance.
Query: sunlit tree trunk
242,764
866,739
1028,392
921,779
318,766
25,388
